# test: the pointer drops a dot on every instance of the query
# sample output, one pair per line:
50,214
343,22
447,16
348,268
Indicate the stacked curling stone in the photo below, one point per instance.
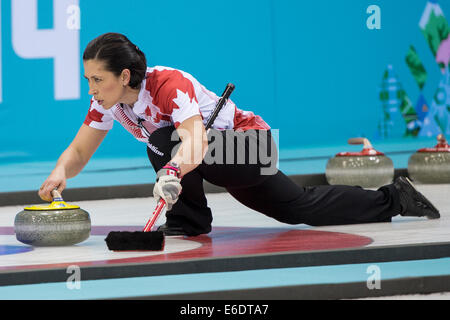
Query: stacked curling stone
431,165
368,168
57,224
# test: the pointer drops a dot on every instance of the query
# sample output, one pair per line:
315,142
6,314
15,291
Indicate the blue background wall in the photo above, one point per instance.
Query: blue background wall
311,69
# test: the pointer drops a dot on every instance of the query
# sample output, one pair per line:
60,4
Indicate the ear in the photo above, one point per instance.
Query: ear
125,77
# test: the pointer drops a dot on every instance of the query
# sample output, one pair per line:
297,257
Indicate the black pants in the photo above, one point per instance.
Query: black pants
256,184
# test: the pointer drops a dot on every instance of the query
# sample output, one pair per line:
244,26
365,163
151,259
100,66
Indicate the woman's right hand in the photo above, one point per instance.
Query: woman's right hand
56,180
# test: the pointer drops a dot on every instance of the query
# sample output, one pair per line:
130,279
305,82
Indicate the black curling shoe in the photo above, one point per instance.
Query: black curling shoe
414,203
171,230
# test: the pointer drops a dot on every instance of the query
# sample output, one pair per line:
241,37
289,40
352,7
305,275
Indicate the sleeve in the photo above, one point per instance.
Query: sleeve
175,95
98,117
185,107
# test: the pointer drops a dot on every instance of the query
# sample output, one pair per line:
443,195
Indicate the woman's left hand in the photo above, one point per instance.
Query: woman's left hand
168,186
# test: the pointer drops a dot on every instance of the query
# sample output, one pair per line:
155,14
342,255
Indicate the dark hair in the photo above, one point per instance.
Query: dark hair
118,53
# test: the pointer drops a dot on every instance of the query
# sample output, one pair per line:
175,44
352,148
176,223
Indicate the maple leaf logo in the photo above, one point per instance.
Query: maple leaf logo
183,99
148,111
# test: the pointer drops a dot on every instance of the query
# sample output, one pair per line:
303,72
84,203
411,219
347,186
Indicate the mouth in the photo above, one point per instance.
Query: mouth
100,102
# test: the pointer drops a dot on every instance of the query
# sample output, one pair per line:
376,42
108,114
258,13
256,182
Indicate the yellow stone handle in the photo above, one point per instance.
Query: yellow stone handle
56,195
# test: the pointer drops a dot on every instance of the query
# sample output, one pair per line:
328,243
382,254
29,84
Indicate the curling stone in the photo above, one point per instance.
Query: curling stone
431,165
57,224
368,168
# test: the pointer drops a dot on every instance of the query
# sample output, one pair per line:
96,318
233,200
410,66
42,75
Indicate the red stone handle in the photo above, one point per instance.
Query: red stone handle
364,141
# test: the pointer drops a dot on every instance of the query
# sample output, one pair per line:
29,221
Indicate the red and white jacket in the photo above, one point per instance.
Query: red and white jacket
168,97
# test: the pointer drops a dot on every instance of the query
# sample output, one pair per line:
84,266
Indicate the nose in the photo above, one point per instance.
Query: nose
92,90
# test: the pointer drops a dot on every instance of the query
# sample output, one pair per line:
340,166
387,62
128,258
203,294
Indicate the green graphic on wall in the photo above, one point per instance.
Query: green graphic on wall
400,117
436,31
416,67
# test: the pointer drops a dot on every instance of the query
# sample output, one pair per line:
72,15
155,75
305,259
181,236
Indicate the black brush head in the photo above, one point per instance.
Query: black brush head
135,240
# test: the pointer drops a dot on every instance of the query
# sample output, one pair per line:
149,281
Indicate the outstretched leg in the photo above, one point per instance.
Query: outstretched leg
280,198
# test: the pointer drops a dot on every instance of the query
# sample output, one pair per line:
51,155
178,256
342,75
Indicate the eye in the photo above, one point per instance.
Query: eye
97,79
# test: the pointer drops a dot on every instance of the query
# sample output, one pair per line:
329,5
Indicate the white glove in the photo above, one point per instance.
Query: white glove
167,185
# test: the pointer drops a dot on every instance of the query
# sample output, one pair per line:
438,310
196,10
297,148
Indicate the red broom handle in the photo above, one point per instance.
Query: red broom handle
148,227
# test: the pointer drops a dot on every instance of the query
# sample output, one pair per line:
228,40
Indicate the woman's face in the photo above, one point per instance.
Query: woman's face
105,86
